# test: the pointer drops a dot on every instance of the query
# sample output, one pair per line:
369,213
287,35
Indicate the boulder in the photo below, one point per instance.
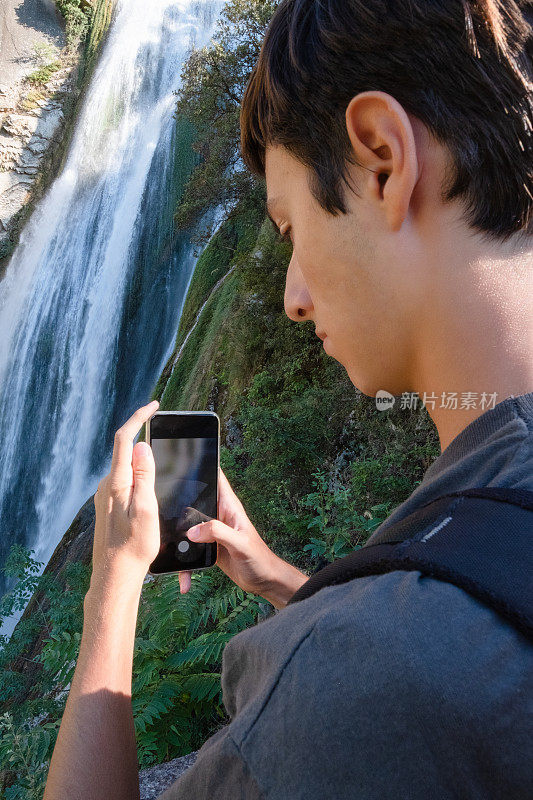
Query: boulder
21,125
48,123
14,193
29,159
154,780
10,150
8,98
37,145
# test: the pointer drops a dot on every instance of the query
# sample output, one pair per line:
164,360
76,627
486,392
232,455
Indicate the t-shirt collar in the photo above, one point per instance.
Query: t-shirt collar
481,428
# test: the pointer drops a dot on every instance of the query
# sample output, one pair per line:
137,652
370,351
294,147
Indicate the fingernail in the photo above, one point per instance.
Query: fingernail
193,532
144,449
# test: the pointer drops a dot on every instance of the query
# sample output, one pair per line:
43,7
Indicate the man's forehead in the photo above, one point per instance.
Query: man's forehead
284,176
278,163
274,176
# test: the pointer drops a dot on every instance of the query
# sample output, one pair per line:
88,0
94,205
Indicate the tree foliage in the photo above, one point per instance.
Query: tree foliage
213,81
78,16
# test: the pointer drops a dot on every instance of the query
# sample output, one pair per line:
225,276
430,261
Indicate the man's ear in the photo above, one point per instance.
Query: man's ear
383,141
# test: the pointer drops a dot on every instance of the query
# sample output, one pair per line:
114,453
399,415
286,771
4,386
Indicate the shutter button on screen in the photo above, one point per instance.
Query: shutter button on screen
188,551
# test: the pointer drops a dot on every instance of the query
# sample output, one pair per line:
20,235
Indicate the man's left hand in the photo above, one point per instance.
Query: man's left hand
126,535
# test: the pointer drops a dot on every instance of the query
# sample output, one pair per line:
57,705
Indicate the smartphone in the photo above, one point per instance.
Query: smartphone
186,448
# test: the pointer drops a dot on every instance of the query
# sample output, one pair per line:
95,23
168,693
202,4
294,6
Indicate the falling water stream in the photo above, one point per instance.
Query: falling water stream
91,300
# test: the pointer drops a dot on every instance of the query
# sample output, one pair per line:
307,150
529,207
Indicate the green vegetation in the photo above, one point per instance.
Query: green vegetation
86,24
176,667
99,24
78,17
28,729
48,61
43,74
214,78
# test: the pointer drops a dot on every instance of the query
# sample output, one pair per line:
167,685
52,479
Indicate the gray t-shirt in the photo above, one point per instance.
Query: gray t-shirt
394,686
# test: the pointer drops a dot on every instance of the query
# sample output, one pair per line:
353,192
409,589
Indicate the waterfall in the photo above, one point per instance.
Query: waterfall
91,300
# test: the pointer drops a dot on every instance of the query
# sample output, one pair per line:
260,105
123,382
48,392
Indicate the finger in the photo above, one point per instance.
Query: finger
185,581
121,468
225,488
214,531
143,465
224,481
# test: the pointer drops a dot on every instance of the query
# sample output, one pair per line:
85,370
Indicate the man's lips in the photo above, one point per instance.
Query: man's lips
321,335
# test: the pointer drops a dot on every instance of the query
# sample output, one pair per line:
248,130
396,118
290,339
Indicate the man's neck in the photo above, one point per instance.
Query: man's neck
476,347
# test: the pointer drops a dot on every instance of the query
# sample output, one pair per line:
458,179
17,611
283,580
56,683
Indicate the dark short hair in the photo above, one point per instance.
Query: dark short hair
463,67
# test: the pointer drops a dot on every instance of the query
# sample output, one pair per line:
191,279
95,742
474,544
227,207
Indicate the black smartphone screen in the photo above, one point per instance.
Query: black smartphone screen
186,453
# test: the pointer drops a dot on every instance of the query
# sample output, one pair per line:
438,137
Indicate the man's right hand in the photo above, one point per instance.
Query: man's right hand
242,553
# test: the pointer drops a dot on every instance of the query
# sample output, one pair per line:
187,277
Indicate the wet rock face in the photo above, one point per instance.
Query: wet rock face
25,138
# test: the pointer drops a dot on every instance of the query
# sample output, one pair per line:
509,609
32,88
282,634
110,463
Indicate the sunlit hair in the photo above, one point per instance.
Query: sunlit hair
462,67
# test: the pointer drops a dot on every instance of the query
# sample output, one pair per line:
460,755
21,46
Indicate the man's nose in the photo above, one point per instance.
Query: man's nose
297,300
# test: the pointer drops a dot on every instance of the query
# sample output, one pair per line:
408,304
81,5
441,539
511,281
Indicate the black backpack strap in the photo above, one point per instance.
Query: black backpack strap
479,539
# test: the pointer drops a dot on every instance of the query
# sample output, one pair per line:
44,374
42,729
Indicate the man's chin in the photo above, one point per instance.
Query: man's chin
371,386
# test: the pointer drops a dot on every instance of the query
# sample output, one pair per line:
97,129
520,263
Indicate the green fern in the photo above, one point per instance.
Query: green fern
178,651
202,686
206,648
176,691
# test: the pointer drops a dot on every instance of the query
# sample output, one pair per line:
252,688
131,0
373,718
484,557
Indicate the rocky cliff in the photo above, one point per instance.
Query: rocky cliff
42,75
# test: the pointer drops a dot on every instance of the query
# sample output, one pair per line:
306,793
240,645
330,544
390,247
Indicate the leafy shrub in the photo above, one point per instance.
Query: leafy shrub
24,751
47,57
43,74
32,706
213,81
77,19
337,519
177,697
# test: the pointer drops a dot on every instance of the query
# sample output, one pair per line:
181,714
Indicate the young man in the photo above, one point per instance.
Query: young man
396,141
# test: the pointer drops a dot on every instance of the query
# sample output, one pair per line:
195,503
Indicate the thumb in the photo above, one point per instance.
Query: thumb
216,531
143,473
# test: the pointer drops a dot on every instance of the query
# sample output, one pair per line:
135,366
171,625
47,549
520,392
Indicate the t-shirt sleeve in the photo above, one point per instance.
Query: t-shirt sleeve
218,772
